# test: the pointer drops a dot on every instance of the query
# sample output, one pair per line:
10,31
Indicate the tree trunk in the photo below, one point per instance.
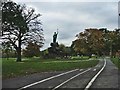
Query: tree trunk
18,54
19,50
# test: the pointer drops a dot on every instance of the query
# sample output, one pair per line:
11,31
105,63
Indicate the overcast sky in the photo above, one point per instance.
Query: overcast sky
73,17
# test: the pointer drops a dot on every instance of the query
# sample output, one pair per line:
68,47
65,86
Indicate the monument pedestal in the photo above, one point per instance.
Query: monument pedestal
53,50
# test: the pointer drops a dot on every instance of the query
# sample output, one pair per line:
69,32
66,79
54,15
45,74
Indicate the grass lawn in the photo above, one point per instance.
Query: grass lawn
14,69
116,61
80,58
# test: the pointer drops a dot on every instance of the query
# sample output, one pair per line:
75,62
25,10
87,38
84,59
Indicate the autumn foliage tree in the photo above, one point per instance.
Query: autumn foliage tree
97,41
88,42
20,25
112,41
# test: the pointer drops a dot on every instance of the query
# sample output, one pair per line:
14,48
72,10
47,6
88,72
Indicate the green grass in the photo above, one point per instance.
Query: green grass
80,58
116,61
0,68
42,60
11,68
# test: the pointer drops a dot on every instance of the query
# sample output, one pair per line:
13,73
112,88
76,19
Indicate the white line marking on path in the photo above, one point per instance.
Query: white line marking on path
94,78
81,69
46,79
97,66
70,79
94,69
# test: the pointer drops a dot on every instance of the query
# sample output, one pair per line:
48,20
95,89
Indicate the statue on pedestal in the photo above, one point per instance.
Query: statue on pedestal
54,51
55,36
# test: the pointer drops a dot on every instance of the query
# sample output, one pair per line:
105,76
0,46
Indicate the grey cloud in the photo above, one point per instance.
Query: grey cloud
73,17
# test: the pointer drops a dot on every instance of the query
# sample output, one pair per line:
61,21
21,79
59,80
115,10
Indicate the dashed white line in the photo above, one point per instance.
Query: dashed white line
70,79
46,79
94,69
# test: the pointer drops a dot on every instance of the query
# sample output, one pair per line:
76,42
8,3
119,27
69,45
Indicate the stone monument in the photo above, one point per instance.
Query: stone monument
54,49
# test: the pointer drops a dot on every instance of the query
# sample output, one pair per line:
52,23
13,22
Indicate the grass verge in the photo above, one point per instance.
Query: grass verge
116,61
15,69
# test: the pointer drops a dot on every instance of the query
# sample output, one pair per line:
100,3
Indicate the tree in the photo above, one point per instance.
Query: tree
20,25
6,49
31,50
65,51
80,45
112,41
97,41
88,42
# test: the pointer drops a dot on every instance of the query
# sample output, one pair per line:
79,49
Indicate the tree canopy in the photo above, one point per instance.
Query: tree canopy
97,41
20,25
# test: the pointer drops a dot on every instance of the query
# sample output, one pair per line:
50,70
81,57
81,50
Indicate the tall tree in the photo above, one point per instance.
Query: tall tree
20,25
95,40
88,42
80,44
113,41
98,41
